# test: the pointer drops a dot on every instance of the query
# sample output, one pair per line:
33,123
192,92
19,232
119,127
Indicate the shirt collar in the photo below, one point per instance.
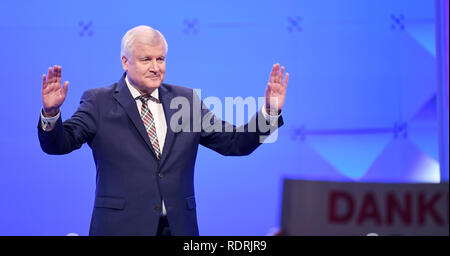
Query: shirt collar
135,93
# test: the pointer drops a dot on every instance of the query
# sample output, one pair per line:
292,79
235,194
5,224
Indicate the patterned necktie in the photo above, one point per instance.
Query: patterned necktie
149,123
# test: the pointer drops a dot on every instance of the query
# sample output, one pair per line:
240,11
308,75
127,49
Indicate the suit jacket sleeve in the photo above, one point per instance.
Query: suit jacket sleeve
230,140
70,135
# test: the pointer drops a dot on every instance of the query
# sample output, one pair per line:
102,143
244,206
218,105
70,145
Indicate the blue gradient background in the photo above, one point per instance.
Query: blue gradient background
361,101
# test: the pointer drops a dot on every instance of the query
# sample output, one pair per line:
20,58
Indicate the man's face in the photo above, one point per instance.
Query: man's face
146,66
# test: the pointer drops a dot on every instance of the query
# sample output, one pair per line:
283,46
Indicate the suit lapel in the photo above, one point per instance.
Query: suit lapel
123,96
165,97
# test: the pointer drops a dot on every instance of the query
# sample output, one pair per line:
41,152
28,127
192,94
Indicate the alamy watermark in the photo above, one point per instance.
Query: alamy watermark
199,116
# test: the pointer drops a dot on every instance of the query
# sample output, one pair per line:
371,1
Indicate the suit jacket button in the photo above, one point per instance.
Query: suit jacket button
160,175
157,207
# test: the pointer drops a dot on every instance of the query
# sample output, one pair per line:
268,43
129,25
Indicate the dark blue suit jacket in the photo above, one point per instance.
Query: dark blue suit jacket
130,181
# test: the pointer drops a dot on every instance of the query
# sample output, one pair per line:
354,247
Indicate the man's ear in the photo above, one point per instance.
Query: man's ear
124,63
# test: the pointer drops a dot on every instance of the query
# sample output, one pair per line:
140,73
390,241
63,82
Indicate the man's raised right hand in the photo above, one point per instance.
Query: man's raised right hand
53,95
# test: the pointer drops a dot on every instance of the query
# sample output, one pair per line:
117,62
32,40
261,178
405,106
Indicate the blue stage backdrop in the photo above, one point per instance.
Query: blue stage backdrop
361,100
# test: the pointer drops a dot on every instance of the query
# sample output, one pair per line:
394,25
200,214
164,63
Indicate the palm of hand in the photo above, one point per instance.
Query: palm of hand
276,89
53,95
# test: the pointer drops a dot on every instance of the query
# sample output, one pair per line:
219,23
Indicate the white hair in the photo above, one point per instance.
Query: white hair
144,34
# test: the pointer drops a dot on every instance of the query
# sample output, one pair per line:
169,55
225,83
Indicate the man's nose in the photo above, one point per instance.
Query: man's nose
154,66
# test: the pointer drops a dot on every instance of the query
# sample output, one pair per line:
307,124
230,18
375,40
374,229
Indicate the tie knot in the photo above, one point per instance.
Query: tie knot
144,98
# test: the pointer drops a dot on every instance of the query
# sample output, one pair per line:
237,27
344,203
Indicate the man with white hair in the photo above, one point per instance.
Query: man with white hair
145,168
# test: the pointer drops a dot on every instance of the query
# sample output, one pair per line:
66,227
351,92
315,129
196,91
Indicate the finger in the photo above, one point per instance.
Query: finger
56,71
65,88
272,74
277,69
58,74
286,79
52,79
277,73
49,74
280,77
44,82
